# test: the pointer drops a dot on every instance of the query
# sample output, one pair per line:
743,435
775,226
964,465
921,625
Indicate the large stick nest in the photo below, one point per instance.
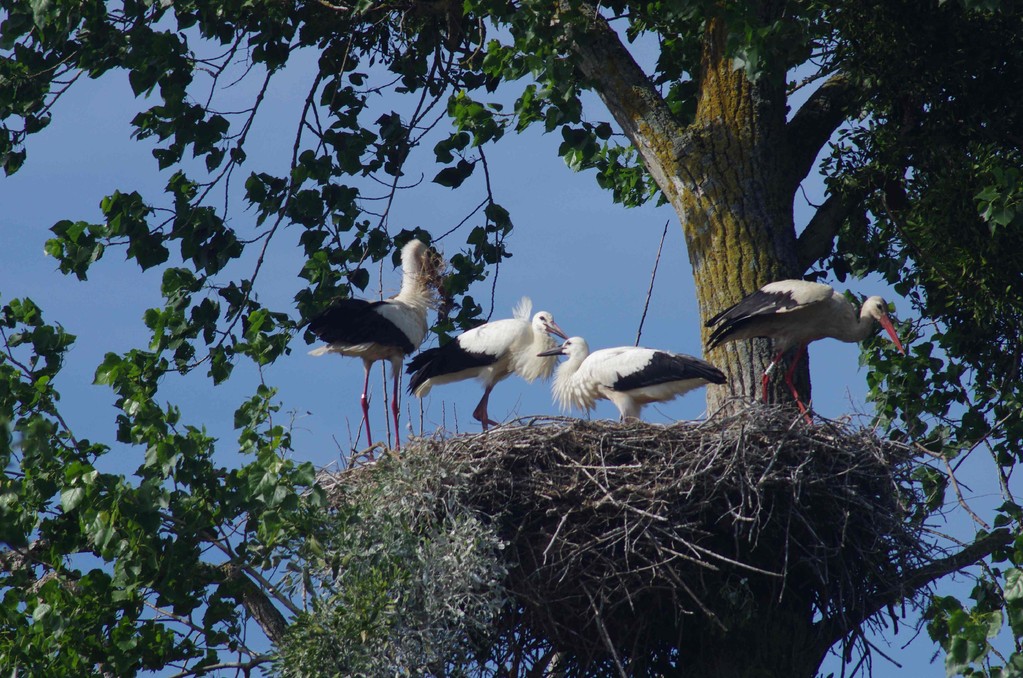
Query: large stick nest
627,539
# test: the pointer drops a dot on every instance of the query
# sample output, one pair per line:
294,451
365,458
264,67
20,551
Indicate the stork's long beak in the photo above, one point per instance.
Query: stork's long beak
886,323
559,350
552,328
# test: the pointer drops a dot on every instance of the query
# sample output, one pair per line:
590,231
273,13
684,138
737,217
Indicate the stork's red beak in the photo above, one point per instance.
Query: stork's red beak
552,328
886,323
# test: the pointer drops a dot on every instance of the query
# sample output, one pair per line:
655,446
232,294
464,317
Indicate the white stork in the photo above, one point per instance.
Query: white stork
794,313
628,376
382,330
489,353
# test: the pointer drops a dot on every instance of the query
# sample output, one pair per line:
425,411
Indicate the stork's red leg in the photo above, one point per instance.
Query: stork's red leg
395,409
364,401
795,361
480,413
799,403
792,387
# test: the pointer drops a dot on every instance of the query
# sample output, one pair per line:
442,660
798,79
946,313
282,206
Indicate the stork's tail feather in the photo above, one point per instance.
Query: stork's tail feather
420,361
724,331
421,367
719,332
717,318
705,370
716,336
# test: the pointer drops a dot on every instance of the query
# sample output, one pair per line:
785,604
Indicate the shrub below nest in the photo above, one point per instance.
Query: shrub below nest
403,577
631,544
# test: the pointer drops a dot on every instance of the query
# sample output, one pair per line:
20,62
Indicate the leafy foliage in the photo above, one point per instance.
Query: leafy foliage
405,577
937,163
100,570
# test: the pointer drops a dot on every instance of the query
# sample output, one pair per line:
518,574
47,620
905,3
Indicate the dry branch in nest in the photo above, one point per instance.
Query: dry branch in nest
630,541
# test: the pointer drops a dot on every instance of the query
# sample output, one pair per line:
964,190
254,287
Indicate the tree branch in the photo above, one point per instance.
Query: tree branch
245,668
833,629
257,603
817,239
633,101
815,122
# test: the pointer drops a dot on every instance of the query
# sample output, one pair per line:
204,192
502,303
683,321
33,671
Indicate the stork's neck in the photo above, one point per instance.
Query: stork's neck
843,322
412,286
564,386
863,325
528,364
414,289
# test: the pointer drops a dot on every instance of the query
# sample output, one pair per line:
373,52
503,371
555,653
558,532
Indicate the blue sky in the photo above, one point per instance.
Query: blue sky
576,254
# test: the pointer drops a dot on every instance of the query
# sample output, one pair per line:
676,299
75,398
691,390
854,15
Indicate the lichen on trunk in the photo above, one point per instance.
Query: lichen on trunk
736,208
726,175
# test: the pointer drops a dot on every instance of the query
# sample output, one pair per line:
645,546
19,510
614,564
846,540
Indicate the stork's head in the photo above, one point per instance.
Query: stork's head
877,308
423,270
544,322
575,348
413,255
418,257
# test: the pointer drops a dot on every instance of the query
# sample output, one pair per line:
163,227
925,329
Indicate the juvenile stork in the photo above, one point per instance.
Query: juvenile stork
489,353
382,330
628,376
794,313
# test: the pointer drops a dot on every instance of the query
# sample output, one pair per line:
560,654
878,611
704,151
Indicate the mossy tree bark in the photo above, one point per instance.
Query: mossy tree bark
731,174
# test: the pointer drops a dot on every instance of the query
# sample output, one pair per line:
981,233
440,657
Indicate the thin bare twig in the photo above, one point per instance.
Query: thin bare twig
959,496
653,276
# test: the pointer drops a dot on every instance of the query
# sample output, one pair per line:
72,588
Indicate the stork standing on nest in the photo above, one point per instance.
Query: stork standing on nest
794,313
489,353
628,376
382,330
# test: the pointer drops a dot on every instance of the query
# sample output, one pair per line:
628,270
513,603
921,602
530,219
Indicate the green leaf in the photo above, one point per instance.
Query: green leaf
109,370
1013,592
453,177
71,497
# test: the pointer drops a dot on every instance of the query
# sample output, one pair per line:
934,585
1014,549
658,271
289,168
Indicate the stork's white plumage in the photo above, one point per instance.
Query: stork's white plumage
628,376
382,330
489,353
794,313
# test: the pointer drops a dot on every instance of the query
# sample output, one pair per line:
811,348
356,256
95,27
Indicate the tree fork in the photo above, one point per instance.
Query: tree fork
724,176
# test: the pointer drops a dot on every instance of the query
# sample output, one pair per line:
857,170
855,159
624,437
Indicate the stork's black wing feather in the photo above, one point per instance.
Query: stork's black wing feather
665,367
357,321
757,303
735,317
446,359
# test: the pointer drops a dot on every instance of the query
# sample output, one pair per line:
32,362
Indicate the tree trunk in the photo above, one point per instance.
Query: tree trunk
729,176
736,209
781,641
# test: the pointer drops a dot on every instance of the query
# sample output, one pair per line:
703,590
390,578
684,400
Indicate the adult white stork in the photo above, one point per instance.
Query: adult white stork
489,353
628,376
794,313
382,330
